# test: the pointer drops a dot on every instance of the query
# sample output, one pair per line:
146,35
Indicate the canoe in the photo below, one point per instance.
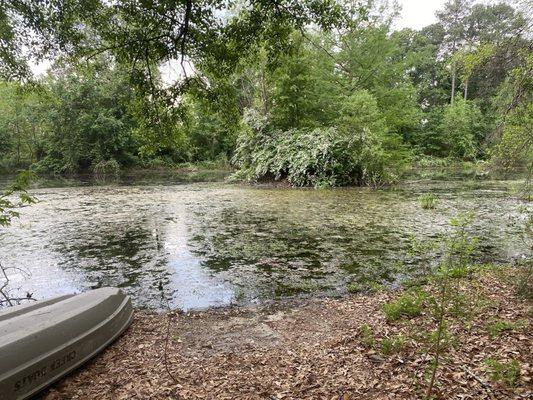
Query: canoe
42,341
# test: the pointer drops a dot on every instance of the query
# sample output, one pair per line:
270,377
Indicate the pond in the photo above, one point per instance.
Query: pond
213,244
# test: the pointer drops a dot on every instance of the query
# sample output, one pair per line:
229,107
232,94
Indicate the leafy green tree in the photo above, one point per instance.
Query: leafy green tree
495,35
89,121
380,153
209,129
419,53
369,60
13,66
320,72
21,125
474,45
461,122
360,117
494,23
429,138
453,19
468,27
514,146
468,61
143,34
18,190
303,90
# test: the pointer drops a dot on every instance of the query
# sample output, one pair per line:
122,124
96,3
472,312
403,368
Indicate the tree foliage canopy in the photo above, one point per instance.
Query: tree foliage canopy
314,91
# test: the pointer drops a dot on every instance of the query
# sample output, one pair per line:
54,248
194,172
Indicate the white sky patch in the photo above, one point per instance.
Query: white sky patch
417,14
41,68
171,71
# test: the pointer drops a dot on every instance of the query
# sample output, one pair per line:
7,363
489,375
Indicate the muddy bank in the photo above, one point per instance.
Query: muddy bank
308,349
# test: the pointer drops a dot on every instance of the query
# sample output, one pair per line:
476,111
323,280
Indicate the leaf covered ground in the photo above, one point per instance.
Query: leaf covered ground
323,348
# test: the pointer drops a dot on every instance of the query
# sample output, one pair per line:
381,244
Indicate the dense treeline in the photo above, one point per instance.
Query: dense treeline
350,105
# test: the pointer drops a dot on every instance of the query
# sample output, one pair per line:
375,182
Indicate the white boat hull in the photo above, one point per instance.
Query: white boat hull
43,341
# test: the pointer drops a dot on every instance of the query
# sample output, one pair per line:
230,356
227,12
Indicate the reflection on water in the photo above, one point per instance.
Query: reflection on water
210,244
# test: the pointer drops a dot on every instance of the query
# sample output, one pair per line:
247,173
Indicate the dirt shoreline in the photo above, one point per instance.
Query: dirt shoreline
305,349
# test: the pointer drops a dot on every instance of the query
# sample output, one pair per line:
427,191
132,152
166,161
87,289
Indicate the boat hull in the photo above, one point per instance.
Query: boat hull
40,343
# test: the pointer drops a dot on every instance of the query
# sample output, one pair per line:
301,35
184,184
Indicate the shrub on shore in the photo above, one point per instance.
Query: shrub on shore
357,150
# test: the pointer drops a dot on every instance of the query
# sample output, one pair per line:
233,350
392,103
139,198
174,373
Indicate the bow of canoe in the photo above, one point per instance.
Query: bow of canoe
43,341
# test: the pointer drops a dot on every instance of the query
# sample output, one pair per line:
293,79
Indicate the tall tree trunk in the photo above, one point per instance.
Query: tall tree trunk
18,143
453,82
466,87
264,93
454,71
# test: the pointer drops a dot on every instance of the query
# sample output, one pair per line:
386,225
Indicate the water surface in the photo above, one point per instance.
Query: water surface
213,244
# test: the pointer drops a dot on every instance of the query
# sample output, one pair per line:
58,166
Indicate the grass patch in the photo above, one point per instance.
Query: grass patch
367,336
507,373
371,287
428,201
524,283
308,286
354,287
392,345
409,304
496,328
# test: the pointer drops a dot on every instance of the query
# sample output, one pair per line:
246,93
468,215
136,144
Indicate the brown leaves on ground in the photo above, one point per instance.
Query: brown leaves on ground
307,349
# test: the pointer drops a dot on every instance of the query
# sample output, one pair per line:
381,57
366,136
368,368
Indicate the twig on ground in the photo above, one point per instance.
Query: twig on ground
167,335
484,384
